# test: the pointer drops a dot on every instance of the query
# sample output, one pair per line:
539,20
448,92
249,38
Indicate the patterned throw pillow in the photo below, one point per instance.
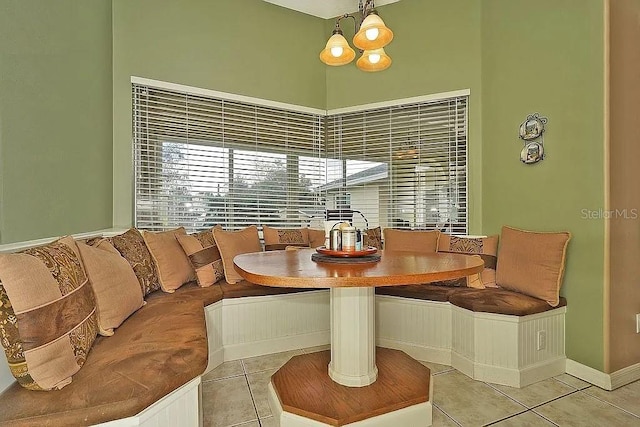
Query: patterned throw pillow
174,269
485,247
206,237
48,316
132,247
115,285
205,260
277,239
373,237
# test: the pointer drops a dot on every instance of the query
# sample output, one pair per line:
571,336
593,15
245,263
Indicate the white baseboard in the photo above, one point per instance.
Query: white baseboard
276,345
418,352
605,381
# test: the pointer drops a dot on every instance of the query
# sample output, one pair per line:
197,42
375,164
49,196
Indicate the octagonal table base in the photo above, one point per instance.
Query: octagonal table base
302,394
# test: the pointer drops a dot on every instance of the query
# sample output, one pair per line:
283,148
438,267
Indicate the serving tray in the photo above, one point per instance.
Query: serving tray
347,254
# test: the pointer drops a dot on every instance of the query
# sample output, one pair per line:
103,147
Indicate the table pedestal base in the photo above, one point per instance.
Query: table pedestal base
353,337
302,394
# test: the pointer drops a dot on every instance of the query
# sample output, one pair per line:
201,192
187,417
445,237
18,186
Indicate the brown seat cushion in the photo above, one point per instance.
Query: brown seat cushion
426,292
207,296
500,301
158,349
247,289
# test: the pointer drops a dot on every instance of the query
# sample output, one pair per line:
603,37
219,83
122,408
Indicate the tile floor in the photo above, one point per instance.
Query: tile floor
235,394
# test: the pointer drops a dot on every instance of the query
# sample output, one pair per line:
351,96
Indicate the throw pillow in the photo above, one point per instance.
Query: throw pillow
232,243
316,237
47,314
132,248
115,285
373,237
485,247
174,269
276,239
532,263
206,236
411,240
205,260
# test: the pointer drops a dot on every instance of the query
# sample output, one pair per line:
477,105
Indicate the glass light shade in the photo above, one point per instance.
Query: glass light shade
374,60
337,51
368,29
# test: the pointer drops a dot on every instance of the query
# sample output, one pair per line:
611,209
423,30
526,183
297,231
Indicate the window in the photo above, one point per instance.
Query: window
202,160
402,166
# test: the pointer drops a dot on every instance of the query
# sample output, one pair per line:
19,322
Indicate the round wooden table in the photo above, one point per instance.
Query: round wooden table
352,295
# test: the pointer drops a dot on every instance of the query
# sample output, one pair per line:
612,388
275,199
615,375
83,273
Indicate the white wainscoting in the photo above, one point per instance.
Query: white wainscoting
253,326
503,349
179,408
422,329
213,316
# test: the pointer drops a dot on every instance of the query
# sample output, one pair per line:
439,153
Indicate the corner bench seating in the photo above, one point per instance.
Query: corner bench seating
148,372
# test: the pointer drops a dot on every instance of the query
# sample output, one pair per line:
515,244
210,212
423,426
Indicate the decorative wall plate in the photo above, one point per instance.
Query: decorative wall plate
532,127
532,152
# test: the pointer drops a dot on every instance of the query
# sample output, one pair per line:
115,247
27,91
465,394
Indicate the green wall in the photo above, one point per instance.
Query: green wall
55,118
246,47
436,48
547,57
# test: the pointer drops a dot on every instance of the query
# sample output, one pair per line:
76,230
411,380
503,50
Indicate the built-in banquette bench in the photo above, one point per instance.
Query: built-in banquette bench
148,372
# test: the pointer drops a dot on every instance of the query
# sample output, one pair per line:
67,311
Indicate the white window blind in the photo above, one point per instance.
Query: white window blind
202,160
402,166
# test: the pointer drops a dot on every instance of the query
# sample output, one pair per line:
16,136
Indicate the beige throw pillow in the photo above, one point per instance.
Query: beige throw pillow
206,261
317,238
174,269
232,243
47,314
411,240
532,263
115,285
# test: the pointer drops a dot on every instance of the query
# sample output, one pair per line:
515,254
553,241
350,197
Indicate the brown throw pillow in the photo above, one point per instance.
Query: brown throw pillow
532,263
132,248
316,237
115,285
373,237
485,247
206,237
232,243
277,239
206,261
411,240
174,269
47,314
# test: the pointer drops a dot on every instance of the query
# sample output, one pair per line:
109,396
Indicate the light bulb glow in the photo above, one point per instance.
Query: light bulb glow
374,58
337,51
371,33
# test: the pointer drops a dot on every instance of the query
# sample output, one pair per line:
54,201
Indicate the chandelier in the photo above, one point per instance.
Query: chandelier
372,35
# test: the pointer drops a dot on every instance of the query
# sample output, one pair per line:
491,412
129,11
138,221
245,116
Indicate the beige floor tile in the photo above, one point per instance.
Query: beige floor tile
268,422
441,420
258,383
249,424
232,368
627,397
227,402
316,348
580,409
471,402
436,368
573,381
537,393
528,419
269,361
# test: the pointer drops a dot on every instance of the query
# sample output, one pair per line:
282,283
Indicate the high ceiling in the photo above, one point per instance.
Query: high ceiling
325,8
